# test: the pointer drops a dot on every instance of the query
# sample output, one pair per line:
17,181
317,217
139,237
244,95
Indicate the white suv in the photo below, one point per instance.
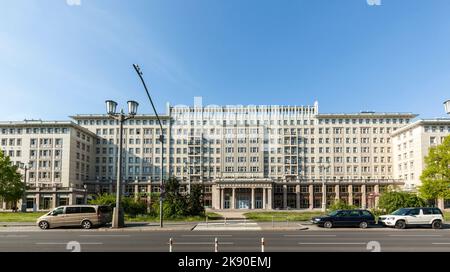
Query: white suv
404,217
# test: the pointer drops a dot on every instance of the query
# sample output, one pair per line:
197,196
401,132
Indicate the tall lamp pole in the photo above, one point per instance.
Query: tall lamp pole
118,216
324,191
25,167
161,139
447,106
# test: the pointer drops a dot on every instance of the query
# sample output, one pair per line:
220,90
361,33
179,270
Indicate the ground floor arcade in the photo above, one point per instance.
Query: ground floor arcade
258,194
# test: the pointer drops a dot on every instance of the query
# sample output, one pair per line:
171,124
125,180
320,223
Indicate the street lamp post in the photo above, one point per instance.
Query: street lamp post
161,139
447,106
118,218
25,167
85,193
324,191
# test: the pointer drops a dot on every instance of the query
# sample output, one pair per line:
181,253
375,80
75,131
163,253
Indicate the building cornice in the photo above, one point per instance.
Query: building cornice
40,123
105,116
422,122
368,115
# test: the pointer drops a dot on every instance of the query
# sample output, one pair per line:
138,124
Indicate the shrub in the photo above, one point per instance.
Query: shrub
341,205
129,204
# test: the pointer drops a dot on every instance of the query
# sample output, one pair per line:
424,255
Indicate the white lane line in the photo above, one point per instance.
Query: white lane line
415,235
441,243
87,243
104,235
332,243
13,235
207,235
312,235
203,243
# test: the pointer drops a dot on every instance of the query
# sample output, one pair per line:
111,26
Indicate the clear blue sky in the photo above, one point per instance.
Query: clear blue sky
57,59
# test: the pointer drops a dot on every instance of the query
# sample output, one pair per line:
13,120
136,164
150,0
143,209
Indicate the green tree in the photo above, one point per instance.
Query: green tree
195,200
436,176
391,201
11,186
175,204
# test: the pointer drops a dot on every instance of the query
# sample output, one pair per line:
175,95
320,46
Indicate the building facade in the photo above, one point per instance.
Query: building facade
59,156
410,146
246,157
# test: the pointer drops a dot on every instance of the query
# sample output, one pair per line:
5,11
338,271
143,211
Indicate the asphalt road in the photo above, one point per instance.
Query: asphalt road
343,240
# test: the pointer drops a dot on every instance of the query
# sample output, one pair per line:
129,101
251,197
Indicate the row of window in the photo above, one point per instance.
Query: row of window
407,177
294,122
129,131
83,146
83,136
252,159
436,128
404,166
19,131
44,175
106,122
45,153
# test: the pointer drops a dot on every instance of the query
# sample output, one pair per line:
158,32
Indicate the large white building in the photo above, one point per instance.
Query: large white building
410,146
255,157
59,156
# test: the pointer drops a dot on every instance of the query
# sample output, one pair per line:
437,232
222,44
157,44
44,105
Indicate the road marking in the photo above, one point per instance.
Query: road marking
203,243
104,235
312,235
415,235
87,243
207,235
14,235
332,243
441,243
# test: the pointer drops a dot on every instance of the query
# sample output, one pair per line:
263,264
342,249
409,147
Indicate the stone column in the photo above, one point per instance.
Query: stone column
311,196
363,197
264,198
70,198
297,194
350,194
3,204
222,199
252,206
269,197
337,192
284,196
376,190
233,195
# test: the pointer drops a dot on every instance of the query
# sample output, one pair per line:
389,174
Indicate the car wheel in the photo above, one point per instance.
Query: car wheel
86,224
363,224
44,225
400,224
437,224
328,224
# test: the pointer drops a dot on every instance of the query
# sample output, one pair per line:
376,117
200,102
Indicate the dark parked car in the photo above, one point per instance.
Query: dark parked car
345,218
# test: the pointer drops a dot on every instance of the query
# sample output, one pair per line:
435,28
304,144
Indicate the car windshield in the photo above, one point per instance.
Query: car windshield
333,213
401,211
